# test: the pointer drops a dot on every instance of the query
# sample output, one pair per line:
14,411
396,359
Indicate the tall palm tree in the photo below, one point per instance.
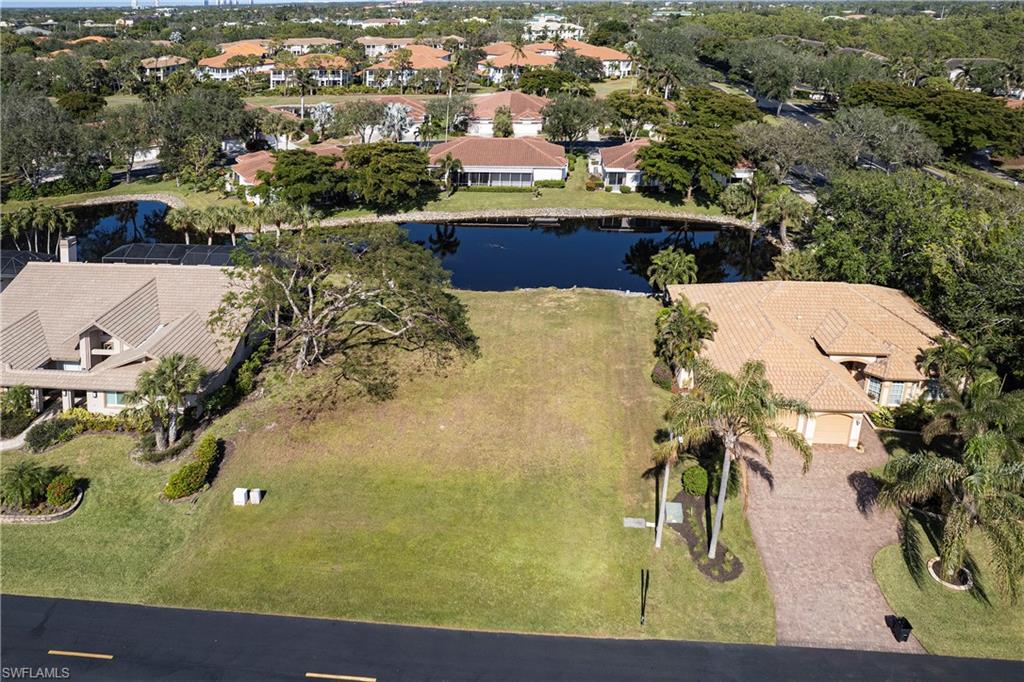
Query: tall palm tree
519,47
184,220
208,223
979,488
447,168
306,83
161,394
278,213
954,361
731,408
680,333
786,210
671,266
306,216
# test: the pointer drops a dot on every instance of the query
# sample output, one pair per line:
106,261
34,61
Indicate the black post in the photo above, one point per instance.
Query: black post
645,585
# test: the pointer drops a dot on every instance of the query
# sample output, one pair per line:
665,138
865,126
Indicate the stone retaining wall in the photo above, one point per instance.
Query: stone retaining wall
43,518
169,199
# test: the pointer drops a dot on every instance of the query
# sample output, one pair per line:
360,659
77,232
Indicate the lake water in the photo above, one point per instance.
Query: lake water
611,253
604,254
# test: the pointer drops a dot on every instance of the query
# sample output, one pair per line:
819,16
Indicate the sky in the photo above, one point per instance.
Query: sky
145,4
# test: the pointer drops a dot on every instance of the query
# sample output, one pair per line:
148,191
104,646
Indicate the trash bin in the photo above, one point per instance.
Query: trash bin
240,496
255,495
901,629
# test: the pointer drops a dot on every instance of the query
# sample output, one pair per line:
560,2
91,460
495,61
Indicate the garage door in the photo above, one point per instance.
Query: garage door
832,428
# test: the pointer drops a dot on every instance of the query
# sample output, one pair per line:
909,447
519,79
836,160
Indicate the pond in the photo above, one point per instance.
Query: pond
609,253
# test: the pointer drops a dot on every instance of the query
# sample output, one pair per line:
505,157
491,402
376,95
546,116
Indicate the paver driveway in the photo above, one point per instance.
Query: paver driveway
817,534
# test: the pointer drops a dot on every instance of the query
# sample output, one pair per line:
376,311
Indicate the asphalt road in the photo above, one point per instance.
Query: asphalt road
145,643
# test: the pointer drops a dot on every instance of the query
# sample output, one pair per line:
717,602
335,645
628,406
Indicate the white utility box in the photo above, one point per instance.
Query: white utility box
240,496
255,495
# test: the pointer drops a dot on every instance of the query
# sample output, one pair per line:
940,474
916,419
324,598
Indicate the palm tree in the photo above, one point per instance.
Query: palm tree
979,488
681,331
558,44
277,213
306,216
161,394
447,168
184,220
731,408
306,83
23,484
979,408
954,361
519,47
209,222
671,266
786,210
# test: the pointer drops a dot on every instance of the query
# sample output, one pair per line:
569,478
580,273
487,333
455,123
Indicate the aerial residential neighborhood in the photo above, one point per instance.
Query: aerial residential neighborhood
484,340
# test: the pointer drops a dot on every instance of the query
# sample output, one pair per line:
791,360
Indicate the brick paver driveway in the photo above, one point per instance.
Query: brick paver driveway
817,535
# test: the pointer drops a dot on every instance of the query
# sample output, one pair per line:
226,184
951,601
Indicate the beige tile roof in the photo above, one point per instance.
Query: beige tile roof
316,61
524,107
495,49
623,156
605,54
420,57
511,152
527,58
154,309
788,325
378,40
310,41
163,62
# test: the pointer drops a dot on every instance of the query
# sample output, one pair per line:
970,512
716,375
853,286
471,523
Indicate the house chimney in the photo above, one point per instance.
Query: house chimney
69,250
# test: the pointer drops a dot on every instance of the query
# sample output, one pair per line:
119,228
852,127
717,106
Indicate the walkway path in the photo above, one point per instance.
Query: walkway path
817,535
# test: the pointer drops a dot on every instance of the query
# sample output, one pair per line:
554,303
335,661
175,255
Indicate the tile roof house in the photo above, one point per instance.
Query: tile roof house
616,64
527,119
326,69
300,46
385,73
110,323
226,66
247,167
619,166
160,68
376,47
842,348
506,162
510,65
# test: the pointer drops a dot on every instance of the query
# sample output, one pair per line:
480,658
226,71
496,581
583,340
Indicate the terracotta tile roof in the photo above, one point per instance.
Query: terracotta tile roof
623,156
48,305
514,152
163,62
240,48
524,107
417,108
316,61
421,57
527,58
605,54
248,166
780,324
1015,103
495,49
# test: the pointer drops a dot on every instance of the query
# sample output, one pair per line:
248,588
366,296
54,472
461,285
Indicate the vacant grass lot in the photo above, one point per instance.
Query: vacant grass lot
982,623
492,497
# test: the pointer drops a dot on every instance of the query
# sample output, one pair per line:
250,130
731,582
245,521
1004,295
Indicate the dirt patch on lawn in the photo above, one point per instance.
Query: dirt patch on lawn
725,566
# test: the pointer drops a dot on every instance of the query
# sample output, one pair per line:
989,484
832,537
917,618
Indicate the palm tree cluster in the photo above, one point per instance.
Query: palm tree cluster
227,218
975,480
36,218
671,266
161,395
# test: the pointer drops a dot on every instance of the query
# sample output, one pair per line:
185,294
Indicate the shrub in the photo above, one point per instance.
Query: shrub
912,416
607,188
191,478
626,189
552,184
50,432
187,480
661,375
494,188
314,137
23,484
20,192
245,379
695,481
883,418
11,424
61,491
92,421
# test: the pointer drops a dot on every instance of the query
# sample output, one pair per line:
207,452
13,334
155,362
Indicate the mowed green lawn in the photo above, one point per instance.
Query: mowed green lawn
981,624
491,497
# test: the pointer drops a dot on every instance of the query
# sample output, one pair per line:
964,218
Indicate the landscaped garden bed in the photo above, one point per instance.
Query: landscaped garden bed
725,566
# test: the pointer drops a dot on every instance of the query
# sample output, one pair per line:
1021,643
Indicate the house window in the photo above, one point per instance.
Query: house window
615,179
896,393
874,388
114,399
934,390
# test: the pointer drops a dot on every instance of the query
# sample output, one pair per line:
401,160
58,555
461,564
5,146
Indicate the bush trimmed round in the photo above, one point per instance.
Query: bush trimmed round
695,481
61,491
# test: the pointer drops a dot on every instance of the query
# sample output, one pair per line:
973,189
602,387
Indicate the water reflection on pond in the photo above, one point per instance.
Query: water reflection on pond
605,254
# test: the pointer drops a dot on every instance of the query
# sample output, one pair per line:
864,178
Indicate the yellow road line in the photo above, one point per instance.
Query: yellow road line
351,678
79,654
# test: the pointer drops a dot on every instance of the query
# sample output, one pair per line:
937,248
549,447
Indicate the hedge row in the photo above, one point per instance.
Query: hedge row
69,424
191,477
495,188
